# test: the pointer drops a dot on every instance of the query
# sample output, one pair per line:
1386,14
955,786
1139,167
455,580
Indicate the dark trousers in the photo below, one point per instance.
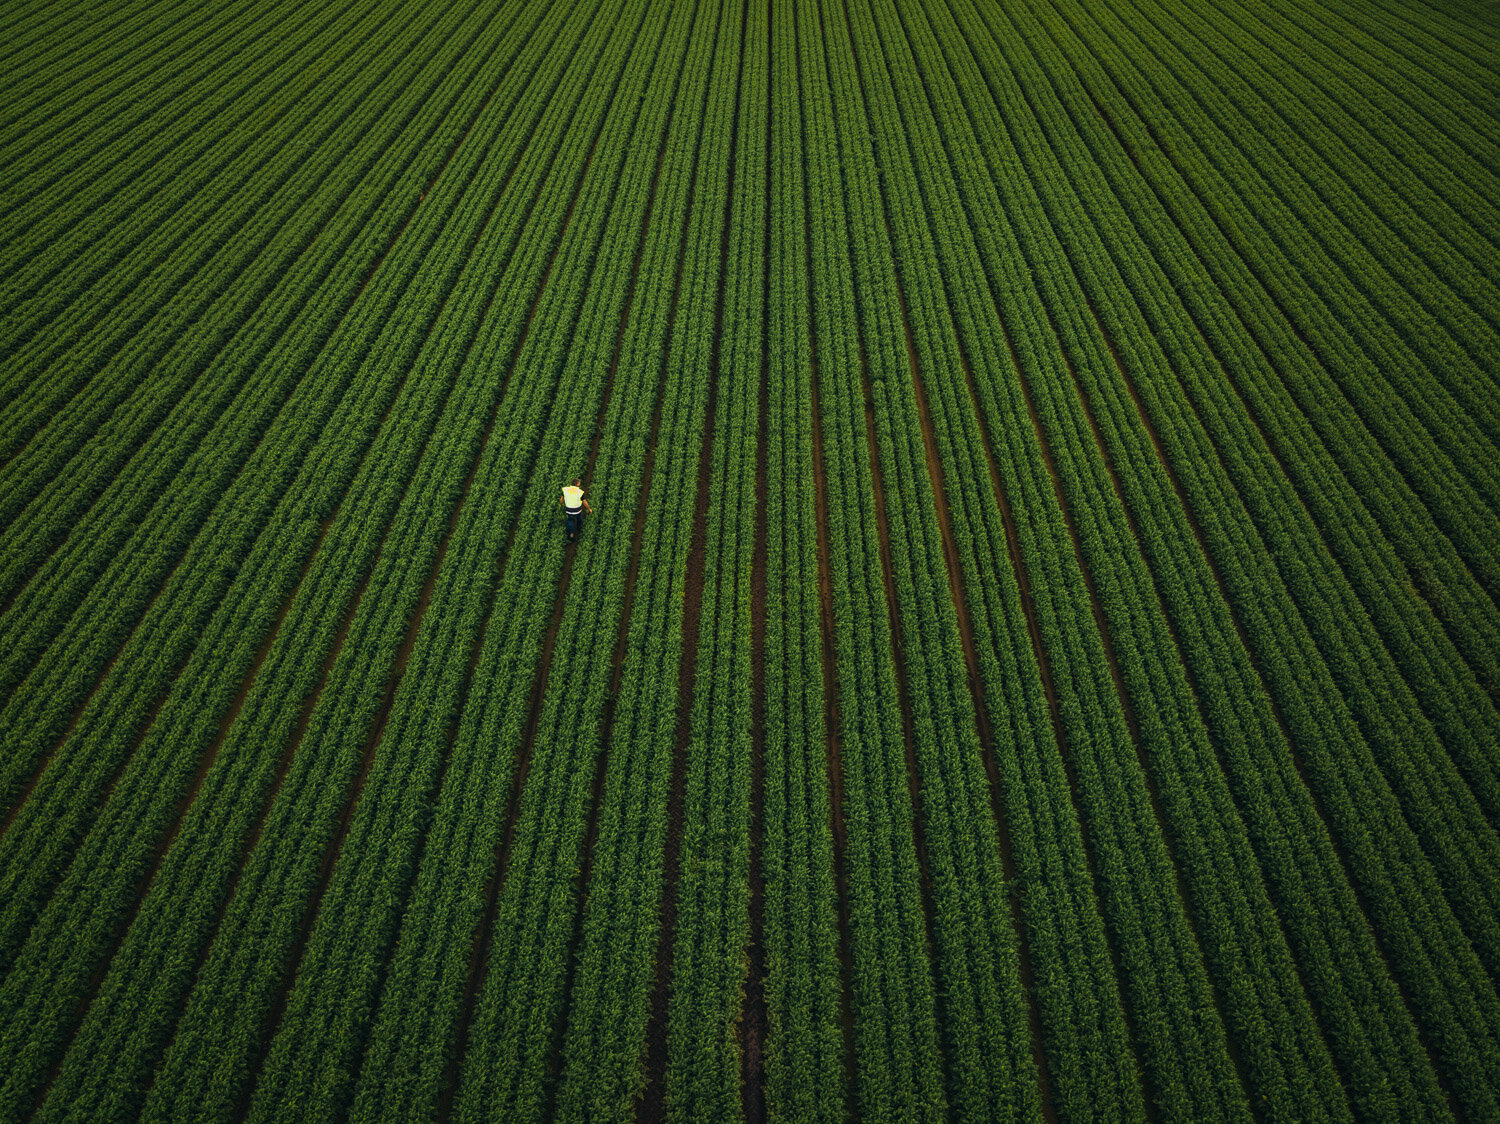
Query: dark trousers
575,522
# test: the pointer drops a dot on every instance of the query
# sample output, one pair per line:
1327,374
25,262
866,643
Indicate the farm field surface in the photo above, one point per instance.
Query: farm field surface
1033,653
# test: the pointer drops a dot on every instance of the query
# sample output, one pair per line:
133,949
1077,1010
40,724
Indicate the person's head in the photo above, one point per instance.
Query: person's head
577,483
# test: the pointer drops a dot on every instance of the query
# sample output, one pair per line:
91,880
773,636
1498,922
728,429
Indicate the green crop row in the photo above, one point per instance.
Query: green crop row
1330,746
143,798
713,890
92,400
808,1055
1457,348
1344,185
899,1067
1460,713
45,56
1288,1065
286,882
961,445
989,1059
161,572
1388,710
133,214
1078,999
1415,56
620,926
1374,712
418,1018
709,961
1263,1029
212,397
1135,871
315,1057
1413,162
90,113
1036,652
515,1040
1385,375
349,935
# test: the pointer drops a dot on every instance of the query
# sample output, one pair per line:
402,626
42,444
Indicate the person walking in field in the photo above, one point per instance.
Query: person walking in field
574,505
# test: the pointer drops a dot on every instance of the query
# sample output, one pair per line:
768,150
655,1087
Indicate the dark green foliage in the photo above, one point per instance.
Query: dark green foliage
1035,652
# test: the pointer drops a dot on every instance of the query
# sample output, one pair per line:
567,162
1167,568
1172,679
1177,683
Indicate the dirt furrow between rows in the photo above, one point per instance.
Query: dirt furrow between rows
1276,709
622,635
959,596
176,566
652,1105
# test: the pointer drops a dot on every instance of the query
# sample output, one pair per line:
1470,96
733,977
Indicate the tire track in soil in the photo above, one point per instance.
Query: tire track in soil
1277,712
957,592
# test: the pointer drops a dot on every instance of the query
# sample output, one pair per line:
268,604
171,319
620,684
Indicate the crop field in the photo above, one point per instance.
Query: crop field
1034,652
